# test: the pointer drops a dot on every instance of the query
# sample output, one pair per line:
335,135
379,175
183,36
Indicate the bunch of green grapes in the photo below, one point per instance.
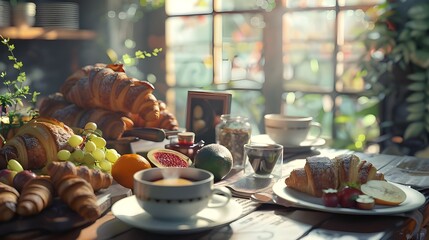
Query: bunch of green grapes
89,149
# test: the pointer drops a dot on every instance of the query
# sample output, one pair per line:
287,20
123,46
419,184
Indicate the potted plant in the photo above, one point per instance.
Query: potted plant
397,69
14,112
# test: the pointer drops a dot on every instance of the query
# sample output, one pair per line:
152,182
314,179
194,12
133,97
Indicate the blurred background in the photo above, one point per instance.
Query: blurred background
325,58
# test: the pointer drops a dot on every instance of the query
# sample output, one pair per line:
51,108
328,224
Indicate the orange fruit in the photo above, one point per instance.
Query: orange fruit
125,167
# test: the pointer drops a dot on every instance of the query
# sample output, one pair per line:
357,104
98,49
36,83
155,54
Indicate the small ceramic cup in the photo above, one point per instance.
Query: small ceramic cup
290,130
173,202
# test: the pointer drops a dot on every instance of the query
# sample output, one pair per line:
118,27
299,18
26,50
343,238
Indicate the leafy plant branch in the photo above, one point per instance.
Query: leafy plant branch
127,59
11,100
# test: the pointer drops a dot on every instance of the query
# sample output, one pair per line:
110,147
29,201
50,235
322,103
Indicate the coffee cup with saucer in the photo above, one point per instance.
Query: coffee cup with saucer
290,130
177,193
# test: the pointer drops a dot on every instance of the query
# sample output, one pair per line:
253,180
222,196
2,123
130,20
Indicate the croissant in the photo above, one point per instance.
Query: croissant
36,143
52,103
101,86
96,178
8,200
112,124
37,194
166,119
321,173
78,194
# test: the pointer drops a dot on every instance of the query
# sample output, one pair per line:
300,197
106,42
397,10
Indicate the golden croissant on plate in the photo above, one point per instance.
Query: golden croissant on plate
321,173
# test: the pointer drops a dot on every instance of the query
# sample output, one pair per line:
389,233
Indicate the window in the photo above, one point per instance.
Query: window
298,57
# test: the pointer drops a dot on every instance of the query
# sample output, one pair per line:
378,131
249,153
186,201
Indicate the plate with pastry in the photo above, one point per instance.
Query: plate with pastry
304,146
307,187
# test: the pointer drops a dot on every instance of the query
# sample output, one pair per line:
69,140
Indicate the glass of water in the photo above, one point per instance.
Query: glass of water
264,158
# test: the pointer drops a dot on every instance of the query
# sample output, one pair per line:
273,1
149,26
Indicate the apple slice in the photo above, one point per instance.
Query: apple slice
383,192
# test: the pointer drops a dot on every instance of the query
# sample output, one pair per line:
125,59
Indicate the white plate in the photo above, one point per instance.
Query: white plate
129,211
413,201
305,145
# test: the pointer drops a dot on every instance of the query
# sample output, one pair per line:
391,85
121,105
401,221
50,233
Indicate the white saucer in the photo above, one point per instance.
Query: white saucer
305,145
129,211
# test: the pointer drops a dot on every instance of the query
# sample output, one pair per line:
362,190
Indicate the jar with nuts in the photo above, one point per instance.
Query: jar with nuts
233,132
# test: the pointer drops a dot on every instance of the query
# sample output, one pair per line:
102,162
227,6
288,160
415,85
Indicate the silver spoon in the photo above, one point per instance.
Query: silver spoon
267,198
262,197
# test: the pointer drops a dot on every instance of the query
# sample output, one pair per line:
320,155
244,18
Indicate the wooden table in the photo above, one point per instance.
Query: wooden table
275,222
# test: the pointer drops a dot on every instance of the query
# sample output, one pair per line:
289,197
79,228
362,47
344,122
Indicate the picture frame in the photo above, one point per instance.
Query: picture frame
204,109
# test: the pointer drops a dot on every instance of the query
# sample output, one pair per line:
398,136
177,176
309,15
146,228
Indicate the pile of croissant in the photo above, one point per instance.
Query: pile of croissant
75,186
104,94
321,173
36,143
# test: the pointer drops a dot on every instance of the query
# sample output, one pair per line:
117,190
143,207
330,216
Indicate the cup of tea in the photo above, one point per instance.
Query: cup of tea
264,158
177,193
291,130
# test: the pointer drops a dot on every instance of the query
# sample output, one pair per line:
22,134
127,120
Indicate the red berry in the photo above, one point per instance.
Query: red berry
330,198
347,197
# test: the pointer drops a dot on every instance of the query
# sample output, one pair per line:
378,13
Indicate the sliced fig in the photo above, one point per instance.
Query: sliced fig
167,158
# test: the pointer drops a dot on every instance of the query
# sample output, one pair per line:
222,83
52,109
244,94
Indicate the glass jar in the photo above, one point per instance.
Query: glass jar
233,132
184,143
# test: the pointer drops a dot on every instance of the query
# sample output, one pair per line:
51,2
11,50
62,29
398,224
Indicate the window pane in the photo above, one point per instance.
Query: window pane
351,52
239,5
309,26
174,7
189,51
188,30
359,2
308,3
355,121
351,24
240,42
316,105
308,67
249,104
192,69
349,79
176,102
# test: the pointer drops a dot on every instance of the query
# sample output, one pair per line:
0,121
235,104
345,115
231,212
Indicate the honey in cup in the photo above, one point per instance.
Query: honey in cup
177,193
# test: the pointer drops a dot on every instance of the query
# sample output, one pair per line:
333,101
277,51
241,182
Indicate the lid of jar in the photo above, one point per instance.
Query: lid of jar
186,137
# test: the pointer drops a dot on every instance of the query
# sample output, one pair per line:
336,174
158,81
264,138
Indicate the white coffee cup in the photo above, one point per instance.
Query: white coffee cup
180,201
290,130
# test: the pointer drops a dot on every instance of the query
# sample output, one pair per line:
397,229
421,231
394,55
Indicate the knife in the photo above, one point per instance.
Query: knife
150,134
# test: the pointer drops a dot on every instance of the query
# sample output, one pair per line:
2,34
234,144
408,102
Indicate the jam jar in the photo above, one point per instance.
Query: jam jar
184,143
233,132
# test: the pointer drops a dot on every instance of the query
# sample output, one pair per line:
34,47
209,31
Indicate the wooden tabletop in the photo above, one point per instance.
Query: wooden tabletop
263,221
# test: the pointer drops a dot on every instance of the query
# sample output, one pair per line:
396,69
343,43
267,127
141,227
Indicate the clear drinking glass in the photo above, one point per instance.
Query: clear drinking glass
265,159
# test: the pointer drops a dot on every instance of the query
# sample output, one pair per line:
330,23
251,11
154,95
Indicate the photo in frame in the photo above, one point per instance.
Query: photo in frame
204,109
